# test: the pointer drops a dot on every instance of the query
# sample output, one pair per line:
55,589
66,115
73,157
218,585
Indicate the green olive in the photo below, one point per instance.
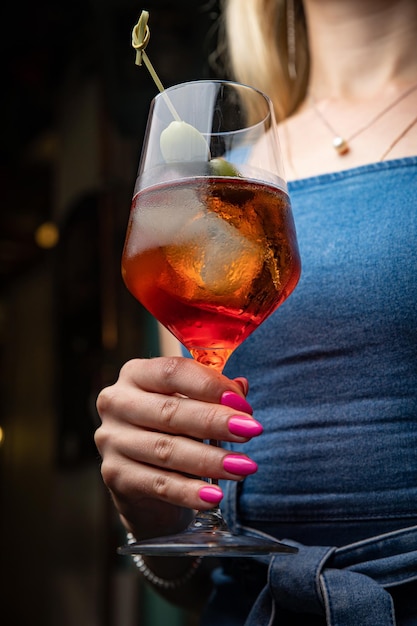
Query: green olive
221,167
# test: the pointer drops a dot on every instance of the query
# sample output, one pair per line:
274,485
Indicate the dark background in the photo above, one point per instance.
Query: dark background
73,110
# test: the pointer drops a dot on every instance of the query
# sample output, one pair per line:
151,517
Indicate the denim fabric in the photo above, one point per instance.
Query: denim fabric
348,586
333,372
372,582
333,379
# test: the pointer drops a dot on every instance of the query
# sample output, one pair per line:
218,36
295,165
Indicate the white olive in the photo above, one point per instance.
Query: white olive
182,142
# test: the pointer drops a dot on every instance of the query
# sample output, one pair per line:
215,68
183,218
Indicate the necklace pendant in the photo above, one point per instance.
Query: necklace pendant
340,145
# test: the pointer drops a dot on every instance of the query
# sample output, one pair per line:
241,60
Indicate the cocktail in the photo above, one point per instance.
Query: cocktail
211,248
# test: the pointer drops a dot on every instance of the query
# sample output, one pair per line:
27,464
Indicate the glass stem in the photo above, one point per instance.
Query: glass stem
213,481
208,521
211,520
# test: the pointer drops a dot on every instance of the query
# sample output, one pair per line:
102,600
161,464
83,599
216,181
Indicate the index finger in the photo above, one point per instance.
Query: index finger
179,375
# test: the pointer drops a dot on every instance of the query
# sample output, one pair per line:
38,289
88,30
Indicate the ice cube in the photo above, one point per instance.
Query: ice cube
214,261
156,222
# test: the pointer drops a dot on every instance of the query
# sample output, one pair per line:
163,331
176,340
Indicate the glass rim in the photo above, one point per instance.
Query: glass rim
269,115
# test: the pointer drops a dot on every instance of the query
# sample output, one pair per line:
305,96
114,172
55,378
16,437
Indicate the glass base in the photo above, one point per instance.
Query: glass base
202,538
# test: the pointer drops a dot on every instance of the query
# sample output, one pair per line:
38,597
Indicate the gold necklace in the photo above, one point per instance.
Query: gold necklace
340,144
381,158
398,137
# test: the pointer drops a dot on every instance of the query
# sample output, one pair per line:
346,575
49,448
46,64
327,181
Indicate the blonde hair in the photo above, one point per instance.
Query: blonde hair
256,41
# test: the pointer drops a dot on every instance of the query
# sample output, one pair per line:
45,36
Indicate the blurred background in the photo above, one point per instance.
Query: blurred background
73,112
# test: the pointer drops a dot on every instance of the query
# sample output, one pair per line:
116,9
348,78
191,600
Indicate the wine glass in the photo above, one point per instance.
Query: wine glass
211,247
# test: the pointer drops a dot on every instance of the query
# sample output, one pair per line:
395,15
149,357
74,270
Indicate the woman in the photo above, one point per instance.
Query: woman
333,375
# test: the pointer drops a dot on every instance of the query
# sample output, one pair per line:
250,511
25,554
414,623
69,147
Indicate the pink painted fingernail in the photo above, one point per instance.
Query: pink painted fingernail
234,401
211,494
244,426
238,464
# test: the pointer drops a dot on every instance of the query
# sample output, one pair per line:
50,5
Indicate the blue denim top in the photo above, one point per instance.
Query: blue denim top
333,372
333,376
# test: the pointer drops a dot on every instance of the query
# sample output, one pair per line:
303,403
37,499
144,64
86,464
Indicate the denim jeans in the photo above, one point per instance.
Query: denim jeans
366,577
346,586
372,582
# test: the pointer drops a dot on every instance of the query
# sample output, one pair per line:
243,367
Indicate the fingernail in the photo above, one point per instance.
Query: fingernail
238,464
211,494
234,401
243,382
244,426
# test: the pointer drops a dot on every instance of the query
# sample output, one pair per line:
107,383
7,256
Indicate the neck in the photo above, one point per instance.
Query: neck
361,48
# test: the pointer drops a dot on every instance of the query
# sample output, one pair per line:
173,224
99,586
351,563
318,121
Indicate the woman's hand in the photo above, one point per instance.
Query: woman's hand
154,419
